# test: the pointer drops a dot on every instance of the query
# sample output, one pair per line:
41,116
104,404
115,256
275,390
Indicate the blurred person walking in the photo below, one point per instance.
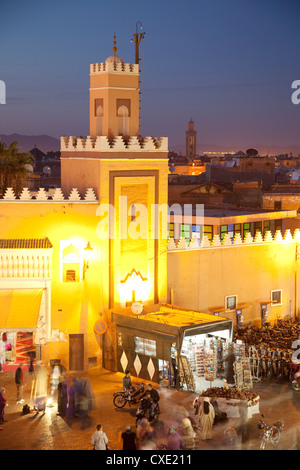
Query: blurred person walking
188,435
173,439
40,380
206,418
62,397
2,405
19,380
71,411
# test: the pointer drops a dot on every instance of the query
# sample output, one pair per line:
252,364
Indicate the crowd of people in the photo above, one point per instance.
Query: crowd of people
75,396
182,430
179,433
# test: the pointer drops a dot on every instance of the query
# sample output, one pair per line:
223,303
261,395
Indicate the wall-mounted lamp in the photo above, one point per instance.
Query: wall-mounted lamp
87,256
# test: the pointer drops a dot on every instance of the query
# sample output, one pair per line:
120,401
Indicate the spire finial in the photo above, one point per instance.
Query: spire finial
114,49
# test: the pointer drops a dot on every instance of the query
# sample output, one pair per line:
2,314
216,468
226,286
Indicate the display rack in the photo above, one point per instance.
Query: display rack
242,374
254,363
211,365
186,374
200,361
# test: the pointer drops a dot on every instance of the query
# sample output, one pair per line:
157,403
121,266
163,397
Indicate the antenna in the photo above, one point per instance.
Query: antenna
137,37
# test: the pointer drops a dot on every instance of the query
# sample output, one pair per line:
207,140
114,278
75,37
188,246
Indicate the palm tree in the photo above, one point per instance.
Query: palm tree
14,168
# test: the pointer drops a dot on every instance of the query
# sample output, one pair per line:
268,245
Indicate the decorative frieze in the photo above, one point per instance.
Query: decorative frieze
196,243
47,196
102,143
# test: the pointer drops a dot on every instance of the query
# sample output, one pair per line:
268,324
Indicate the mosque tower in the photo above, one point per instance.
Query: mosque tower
191,141
114,97
128,173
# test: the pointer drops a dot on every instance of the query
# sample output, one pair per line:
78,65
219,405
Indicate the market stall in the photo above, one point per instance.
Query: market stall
231,401
170,345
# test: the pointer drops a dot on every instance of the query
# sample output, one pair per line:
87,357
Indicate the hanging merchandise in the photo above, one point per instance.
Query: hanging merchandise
200,361
210,365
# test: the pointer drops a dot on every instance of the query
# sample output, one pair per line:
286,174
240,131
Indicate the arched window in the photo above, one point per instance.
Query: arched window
71,264
123,117
99,115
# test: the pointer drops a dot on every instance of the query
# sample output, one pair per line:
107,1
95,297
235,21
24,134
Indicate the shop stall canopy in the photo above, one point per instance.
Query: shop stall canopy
172,323
19,309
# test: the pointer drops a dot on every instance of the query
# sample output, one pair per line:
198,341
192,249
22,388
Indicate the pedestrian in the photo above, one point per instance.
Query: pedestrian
206,418
71,412
188,435
127,384
20,380
2,353
173,439
62,396
129,439
229,366
99,439
31,355
243,408
2,404
87,398
41,380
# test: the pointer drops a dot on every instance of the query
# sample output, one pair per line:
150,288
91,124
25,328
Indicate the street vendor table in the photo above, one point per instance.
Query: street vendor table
232,406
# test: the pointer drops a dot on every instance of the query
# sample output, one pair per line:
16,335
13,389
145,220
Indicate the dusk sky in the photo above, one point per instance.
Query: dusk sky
227,64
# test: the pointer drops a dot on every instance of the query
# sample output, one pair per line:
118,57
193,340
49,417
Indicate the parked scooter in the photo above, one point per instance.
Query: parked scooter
121,398
144,411
271,434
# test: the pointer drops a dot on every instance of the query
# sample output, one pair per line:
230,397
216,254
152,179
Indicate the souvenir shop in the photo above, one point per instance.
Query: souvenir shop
173,347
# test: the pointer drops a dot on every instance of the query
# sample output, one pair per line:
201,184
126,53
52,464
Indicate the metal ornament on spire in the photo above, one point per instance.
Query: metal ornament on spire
114,49
137,39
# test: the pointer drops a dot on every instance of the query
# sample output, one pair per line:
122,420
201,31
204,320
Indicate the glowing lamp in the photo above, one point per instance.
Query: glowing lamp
87,257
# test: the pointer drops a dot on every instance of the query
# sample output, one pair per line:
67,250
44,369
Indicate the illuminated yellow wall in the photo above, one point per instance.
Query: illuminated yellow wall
142,182
74,306
201,279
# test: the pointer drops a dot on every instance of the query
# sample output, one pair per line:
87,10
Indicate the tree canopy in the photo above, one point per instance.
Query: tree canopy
14,167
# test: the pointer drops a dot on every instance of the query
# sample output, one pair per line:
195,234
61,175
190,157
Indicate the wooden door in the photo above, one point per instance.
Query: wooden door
76,349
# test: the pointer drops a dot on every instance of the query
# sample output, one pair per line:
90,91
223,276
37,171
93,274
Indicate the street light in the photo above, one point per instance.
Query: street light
87,257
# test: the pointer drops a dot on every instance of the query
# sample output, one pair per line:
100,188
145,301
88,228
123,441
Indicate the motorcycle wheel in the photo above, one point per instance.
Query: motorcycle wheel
276,438
263,444
119,400
295,386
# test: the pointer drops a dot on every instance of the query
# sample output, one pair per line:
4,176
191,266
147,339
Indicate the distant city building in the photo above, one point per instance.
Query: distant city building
191,140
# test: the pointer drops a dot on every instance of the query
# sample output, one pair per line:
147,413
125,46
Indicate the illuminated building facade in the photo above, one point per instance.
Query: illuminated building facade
74,262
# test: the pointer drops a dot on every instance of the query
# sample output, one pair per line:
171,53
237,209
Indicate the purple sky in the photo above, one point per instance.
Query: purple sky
229,65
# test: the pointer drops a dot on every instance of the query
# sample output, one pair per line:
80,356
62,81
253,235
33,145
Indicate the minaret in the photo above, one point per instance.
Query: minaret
128,174
114,97
190,140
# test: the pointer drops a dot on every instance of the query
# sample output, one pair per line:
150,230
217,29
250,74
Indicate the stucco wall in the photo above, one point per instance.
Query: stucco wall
202,278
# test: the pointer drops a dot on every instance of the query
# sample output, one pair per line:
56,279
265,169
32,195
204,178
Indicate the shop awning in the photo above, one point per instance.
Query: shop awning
19,308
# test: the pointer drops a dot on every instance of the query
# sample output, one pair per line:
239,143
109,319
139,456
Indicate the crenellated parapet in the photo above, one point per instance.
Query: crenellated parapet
205,243
114,67
53,195
117,144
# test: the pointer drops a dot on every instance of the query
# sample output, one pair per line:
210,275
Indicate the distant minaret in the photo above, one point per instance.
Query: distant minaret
190,140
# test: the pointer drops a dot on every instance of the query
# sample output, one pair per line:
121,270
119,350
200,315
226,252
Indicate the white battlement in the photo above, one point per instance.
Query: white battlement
111,67
197,244
53,195
118,144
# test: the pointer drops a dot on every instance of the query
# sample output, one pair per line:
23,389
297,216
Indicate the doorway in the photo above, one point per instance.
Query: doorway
76,352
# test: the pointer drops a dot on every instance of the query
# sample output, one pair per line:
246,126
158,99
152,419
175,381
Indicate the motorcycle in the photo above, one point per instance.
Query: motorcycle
144,411
121,398
271,434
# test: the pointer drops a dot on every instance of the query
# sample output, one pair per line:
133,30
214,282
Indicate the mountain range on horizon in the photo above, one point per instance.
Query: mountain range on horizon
47,143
